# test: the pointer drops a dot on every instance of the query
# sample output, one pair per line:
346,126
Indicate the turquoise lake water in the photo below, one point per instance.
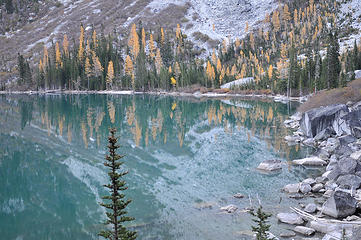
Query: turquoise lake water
186,158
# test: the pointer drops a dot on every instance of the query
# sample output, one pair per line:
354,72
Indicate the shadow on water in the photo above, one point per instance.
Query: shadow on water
186,157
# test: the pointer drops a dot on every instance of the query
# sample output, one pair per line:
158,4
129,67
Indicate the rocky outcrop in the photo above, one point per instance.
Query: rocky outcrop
340,204
335,133
316,120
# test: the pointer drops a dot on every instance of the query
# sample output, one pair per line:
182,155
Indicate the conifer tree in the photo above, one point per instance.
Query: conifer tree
115,202
262,227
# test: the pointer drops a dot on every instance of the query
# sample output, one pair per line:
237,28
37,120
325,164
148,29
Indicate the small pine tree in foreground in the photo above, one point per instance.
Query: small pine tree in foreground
115,201
262,227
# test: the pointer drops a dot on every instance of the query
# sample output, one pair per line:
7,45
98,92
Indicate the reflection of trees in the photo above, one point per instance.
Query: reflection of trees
150,120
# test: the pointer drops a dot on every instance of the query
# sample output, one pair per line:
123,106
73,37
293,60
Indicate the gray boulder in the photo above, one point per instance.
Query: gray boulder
349,181
316,120
341,204
310,208
305,188
353,122
270,165
310,161
292,188
304,230
290,218
345,140
347,165
356,155
324,134
317,187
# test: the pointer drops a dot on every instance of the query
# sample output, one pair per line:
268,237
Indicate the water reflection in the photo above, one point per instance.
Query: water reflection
182,152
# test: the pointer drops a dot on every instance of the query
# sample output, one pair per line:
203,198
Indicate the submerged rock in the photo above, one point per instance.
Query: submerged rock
230,208
238,195
290,218
341,204
310,161
270,165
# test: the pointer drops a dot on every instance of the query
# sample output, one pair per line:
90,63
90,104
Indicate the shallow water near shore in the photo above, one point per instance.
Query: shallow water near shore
186,158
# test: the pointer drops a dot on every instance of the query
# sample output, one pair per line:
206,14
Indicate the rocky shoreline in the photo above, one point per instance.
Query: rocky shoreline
335,134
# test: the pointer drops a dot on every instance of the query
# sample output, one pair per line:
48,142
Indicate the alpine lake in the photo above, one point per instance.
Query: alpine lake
186,158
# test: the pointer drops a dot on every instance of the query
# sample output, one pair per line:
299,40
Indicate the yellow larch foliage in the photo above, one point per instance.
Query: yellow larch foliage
295,17
173,81
81,42
283,51
319,23
98,68
133,41
87,67
162,36
110,73
247,27
270,72
87,49
143,39
178,32
276,21
170,70
94,38
158,61
66,45
243,70
266,35
221,76
41,67
128,66
219,65
213,27
151,46
58,61
234,70
286,14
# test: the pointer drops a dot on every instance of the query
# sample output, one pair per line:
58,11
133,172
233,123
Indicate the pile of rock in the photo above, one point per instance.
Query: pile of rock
335,132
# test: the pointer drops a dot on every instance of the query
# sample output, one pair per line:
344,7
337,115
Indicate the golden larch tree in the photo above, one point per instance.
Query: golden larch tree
128,66
81,44
133,41
151,46
110,73
58,61
66,45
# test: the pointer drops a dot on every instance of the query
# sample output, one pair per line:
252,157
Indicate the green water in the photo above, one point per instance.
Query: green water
186,158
